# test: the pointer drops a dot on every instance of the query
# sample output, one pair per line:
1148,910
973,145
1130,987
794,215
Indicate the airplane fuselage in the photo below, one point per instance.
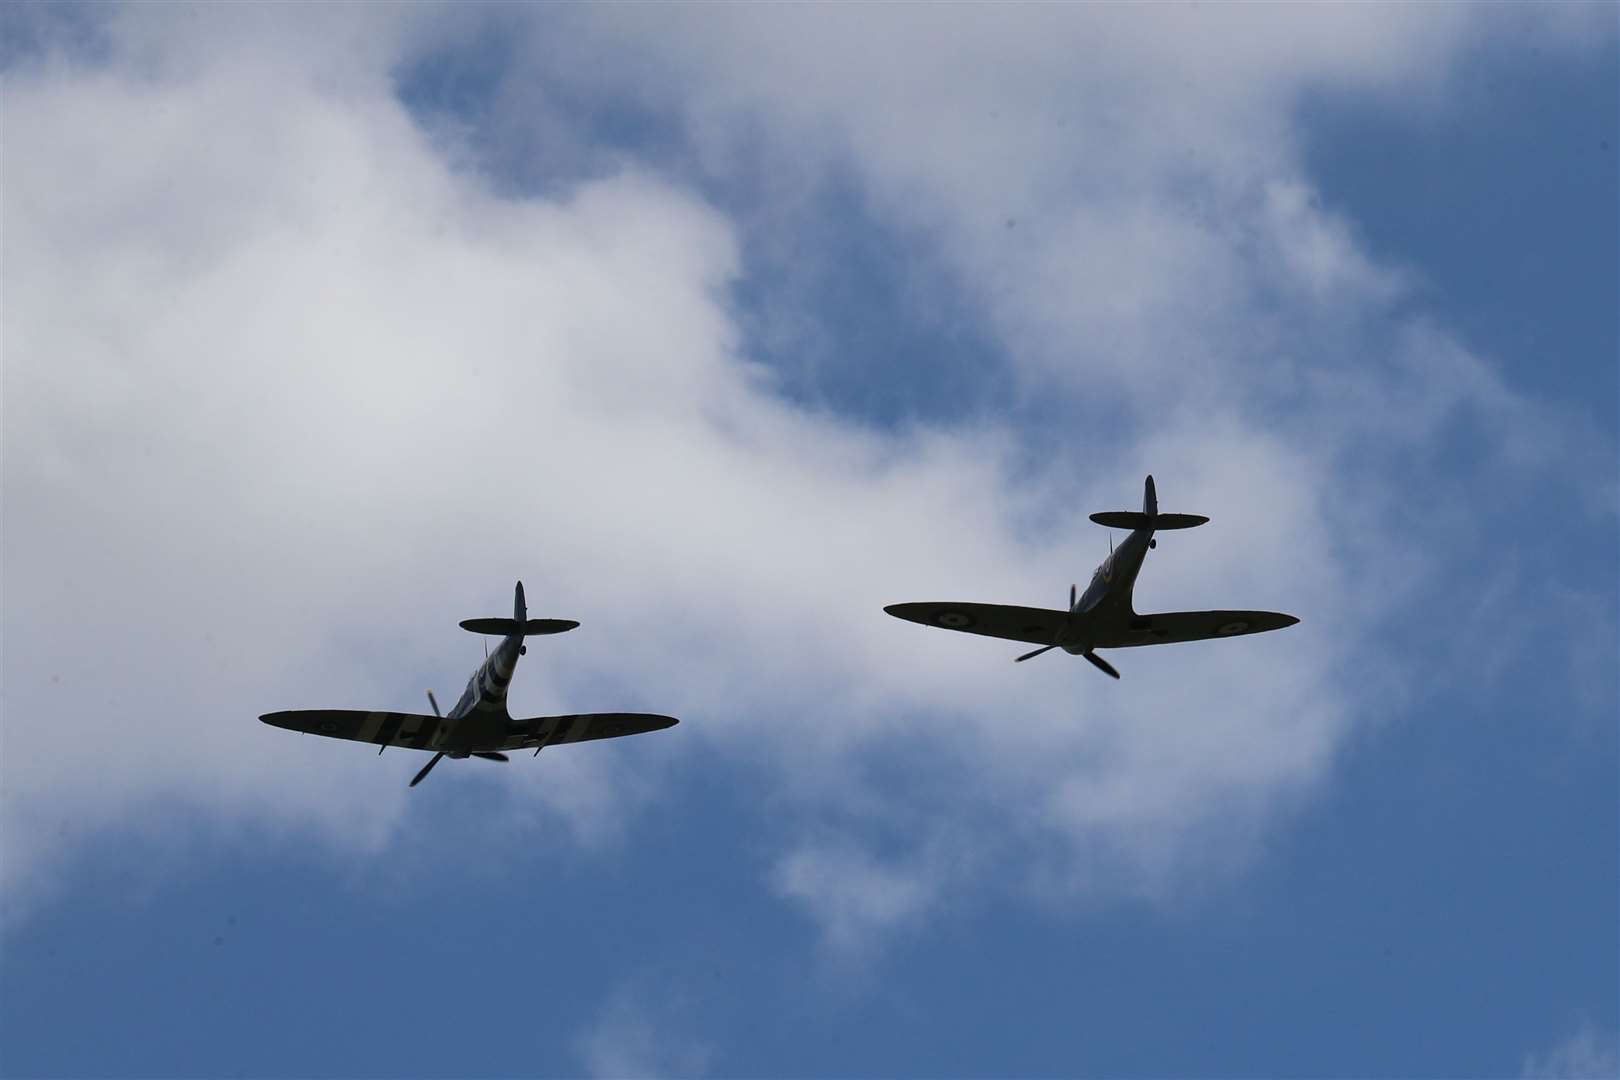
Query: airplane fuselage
479,718
1107,599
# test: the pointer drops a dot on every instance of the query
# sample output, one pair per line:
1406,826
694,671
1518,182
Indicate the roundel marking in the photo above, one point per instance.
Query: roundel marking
1232,628
953,620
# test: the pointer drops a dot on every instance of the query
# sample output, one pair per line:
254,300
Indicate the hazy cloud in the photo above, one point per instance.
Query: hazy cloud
1587,1054
645,1028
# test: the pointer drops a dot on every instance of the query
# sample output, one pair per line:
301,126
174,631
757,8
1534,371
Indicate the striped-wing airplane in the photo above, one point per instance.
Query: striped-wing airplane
479,725
1102,617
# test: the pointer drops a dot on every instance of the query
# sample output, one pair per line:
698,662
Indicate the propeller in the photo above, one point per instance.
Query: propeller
1074,591
426,768
1102,665
433,701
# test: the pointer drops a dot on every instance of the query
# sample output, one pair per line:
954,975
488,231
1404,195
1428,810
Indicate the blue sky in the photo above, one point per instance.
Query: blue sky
721,328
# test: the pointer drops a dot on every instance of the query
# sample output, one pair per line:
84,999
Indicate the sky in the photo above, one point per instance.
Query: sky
721,327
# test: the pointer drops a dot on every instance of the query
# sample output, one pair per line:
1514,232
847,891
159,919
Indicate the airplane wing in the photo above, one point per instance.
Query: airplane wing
1170,626
393,728
1035,626
416,731
581,727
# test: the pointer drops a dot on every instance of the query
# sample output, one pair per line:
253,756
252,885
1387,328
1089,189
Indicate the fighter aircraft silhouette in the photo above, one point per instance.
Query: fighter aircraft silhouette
479,725
1102,617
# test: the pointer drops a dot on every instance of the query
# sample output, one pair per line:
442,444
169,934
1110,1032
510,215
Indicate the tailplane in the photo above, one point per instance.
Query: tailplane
1149,516
519,623
528,627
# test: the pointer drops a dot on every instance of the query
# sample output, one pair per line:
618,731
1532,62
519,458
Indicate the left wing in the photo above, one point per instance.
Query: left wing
1036,626
1171,626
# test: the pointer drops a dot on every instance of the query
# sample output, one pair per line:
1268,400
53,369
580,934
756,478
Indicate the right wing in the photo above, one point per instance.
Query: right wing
1034,626
1171,626
581,727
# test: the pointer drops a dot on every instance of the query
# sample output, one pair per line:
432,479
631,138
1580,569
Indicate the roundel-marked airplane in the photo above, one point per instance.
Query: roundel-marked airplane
478,725
1101,617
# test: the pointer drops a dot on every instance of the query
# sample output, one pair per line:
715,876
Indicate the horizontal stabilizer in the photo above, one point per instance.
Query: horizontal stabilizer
527,628
1134,519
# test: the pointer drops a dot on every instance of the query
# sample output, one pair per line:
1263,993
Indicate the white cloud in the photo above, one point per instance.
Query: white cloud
288,391
1587,1054
854,896
645,1029
1125,199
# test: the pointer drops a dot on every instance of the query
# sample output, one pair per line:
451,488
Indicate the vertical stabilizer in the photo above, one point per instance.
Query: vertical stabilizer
520,610
1150,498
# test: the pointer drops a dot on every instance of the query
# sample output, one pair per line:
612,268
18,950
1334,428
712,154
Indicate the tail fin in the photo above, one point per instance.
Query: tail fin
520,610
1150,498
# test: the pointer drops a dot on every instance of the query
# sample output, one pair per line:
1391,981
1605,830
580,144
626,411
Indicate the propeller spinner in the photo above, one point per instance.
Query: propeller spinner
1102,665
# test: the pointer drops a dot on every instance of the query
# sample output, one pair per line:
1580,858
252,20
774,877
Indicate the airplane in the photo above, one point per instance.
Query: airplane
1102,617
479,725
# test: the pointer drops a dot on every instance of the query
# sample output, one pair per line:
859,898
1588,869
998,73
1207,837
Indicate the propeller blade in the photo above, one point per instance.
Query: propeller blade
1102,665
490,755
1037,652
425,769
433,701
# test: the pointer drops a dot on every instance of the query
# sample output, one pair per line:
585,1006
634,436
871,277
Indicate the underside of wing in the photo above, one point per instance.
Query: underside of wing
1171,626
1036,626
390,728
582,727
